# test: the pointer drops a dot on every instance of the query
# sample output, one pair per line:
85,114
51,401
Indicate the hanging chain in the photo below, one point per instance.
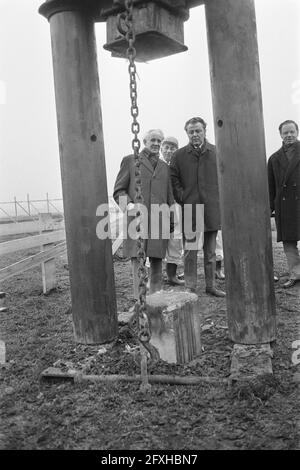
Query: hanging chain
125,27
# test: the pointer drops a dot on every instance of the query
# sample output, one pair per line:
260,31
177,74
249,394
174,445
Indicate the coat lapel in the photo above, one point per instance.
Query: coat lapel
145,161
281,166
281,159
160,164
293,163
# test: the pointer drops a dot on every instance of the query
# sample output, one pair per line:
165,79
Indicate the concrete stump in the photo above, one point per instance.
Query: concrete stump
250,361
175,324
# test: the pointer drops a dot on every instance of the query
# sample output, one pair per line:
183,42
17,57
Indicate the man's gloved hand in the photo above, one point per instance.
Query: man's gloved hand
130,208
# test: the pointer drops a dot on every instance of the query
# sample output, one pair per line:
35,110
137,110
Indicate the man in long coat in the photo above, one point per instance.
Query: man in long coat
156,190
195,181
284,190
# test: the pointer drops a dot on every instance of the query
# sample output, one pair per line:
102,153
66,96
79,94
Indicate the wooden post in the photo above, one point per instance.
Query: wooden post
3,307
83,169
239,129
2,351
48,266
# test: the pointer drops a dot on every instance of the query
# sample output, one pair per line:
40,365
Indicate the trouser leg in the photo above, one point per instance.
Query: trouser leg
293,258
219,247
174,251
209,249
190,268
155,274
171,269
191,246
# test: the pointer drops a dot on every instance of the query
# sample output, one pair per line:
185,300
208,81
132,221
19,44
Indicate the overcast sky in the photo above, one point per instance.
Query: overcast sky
170,91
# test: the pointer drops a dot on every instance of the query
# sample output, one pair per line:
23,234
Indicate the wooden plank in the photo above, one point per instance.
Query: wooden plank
32,226
36,241
32,242
31,262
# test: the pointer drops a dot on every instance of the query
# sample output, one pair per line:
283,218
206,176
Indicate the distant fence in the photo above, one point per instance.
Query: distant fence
29,209
18,210
51,241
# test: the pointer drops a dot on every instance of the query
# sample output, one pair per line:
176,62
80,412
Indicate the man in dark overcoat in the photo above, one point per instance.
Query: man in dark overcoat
195,181
156,190
284,191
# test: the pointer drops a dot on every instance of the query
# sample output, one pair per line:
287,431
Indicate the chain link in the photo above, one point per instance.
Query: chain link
125,26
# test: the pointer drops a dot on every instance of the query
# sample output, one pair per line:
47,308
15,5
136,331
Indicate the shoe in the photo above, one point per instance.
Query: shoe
220,275
171,269
276,279
175,281
289,283
215,292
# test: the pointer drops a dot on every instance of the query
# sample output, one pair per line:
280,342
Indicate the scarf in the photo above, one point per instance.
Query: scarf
152,157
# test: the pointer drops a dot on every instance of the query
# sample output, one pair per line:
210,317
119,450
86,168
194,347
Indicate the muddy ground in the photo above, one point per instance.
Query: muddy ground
39,415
